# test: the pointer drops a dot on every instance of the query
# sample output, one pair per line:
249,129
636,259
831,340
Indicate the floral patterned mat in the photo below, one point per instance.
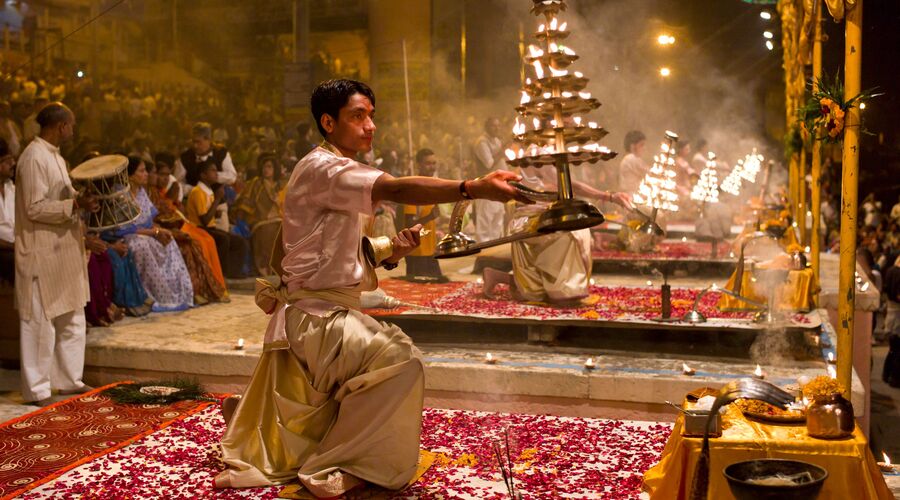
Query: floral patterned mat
553,457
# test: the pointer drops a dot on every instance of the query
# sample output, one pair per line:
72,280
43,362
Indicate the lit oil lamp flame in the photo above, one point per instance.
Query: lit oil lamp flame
563,26
887,459
525,98
567,51
490,359
567,94
687,370
578,74
537,123
539,70
542,28
554,47
592,124
553,123
558,72
589,364
239,345
584,95
758,373
887,466
510,154
832,372
830,357
577,121
535,51
554,23
547,95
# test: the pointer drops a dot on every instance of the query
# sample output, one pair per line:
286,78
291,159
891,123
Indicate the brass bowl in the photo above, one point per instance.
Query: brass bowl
741,476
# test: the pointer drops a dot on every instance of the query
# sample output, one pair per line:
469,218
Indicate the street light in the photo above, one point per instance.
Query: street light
770,45
765,15
664,72
665,39
768,35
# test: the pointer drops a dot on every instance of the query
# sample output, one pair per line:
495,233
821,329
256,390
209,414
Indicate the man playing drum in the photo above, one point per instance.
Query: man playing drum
51,268
336,398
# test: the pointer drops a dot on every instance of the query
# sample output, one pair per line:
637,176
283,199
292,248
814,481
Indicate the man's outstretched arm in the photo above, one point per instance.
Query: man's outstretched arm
428,190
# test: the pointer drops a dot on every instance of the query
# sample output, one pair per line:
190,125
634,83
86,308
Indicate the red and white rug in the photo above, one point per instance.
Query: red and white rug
554,457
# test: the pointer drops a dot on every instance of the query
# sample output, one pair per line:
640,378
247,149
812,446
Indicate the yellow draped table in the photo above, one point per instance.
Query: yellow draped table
852,471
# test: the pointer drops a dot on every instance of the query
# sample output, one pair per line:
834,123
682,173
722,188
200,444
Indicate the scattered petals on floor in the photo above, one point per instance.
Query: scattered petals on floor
678,250
50,440
554,457
412,293
605,303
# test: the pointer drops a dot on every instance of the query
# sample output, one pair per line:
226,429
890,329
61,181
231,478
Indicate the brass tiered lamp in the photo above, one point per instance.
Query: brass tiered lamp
551,130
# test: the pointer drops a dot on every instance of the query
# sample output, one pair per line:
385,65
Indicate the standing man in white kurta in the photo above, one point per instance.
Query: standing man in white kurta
489,157
51,267
336,398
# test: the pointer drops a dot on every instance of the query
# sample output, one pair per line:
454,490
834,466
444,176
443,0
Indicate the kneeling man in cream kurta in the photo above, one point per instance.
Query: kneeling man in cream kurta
336,399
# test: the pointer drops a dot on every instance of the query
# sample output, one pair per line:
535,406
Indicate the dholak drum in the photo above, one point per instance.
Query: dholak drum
106,177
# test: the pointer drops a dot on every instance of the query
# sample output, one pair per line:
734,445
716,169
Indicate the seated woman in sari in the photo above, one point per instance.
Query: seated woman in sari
258,204
156,254
197,247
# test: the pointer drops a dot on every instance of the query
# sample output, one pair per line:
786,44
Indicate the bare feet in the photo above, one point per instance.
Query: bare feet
493,277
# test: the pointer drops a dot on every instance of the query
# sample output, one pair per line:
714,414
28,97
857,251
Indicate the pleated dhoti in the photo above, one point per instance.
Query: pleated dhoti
555,267
340,400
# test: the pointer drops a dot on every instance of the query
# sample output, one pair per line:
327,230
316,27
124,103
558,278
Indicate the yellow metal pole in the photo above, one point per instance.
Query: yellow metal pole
816,169
800,217
849,188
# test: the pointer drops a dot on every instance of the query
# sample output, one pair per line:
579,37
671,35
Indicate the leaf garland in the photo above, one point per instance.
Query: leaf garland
178,390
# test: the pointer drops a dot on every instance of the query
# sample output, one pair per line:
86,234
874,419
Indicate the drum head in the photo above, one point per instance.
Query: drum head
100,167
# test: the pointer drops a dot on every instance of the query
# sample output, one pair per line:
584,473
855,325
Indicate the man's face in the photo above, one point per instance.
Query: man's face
209,176
67,129
201,144
493,128
428,165
7,166
354,129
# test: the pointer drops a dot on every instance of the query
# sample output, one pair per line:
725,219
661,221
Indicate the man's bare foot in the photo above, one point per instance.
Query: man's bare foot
493,277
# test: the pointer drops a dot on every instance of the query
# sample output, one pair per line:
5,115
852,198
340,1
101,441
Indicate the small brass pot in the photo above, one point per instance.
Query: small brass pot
830,417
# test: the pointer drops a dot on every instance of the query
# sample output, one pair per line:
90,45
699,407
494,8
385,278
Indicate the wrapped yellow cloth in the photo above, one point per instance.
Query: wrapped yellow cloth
852,471
796,294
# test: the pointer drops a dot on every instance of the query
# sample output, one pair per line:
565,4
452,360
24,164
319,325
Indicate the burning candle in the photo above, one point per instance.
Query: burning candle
758,373
490,359
240,345
687,370
589,364
886,466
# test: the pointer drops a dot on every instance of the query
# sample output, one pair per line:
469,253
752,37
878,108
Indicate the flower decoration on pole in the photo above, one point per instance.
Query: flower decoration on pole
657,189
707,188
823,114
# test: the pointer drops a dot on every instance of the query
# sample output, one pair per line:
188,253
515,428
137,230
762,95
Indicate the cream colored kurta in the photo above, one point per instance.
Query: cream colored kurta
49,244
337,396
556,266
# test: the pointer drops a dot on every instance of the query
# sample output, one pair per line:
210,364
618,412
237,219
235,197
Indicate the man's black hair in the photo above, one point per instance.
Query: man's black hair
53,114
4,147
422,154
332,95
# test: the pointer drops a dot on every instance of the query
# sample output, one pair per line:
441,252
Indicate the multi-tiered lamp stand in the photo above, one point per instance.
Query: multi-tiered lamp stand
551,130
